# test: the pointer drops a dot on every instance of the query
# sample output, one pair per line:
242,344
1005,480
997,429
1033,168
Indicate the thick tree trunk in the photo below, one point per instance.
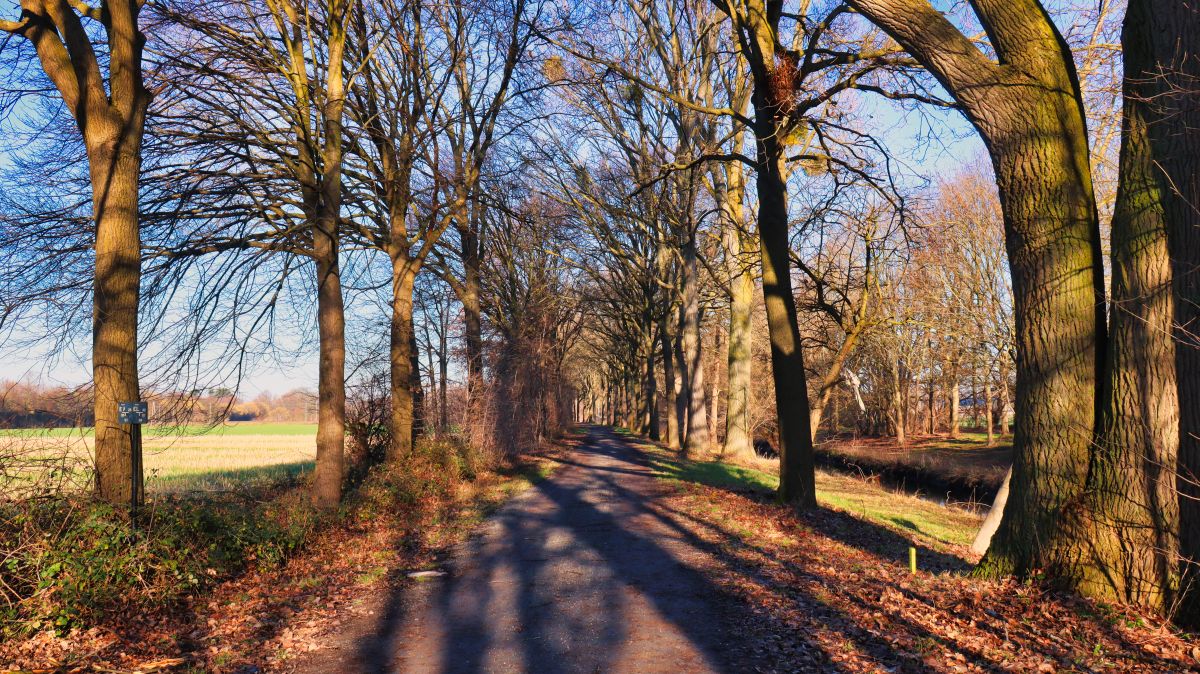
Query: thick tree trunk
1171,105
114,173
1127,545
1054,258
401,358
472,313
797,478
932,404
331,318
1029,112
331,383
711,394
899,407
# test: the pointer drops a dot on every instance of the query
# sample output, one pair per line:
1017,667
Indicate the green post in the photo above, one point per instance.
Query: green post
912,559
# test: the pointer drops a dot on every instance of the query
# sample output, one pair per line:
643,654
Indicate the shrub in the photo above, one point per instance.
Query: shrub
69,560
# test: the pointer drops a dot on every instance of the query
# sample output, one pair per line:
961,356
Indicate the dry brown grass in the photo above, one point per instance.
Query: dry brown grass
173,463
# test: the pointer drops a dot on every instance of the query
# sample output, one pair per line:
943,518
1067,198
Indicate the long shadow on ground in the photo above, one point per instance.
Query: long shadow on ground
581,574
592,571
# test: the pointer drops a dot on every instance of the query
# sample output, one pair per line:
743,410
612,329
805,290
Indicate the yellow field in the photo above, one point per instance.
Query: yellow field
173,463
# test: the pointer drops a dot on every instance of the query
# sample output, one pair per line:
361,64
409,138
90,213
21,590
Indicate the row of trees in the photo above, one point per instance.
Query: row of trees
1102,488
25,405
573,186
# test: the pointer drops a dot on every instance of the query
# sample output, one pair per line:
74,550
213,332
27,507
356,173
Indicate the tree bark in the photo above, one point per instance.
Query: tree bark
681,385
953,396
669,383
114,172
331,382
1128,520
990,523
797,477
739,349
650,387
1170,101
899,406
1028,110
987,411
110,116
331,318
443,376
697,440
401,339
738,437
472,312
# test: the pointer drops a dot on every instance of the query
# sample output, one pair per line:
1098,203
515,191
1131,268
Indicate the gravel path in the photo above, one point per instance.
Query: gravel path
584,572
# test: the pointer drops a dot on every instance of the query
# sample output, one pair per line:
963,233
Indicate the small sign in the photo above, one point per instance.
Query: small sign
133,413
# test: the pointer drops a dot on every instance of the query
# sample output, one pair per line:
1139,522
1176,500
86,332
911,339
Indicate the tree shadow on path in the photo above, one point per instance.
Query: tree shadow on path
587,572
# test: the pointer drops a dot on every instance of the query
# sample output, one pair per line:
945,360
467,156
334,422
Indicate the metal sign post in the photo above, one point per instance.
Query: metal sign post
135,414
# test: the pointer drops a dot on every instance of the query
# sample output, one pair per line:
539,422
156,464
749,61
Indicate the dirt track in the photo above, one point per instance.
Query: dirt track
584,572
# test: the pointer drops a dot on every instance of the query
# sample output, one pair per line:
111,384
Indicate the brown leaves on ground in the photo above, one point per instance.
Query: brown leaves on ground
833,593
265,617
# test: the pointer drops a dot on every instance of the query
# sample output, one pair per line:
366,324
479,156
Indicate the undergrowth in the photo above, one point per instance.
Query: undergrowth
68,561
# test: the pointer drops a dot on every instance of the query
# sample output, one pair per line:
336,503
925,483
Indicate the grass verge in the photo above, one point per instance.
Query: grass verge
905,514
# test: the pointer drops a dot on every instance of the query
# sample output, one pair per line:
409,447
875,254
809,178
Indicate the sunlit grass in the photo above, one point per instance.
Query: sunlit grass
901,512
205,463
209,462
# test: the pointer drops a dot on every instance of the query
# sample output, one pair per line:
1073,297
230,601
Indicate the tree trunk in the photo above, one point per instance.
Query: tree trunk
431,366
830,381
114,173
738,440
739,350
443,375
932,402
1127,544
987,412
681,386
899,405
669,383
472,313
696,441
797,478
331,383
990,523
1172,115
401,338
711,394
1029,112
419,417
952,399
650,388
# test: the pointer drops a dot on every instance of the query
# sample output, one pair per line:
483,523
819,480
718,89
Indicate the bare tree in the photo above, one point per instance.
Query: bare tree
109,109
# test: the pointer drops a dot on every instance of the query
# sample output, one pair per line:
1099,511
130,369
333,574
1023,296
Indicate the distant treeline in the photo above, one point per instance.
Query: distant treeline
27,405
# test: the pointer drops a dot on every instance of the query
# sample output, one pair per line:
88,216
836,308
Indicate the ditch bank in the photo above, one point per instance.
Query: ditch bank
972,491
